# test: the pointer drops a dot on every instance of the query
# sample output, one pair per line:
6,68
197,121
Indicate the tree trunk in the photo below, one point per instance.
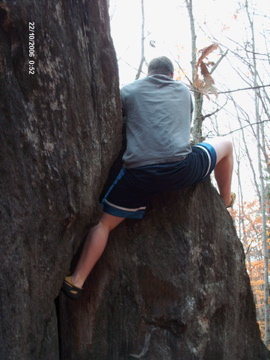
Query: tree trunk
142,60
198,97
171,286
259,135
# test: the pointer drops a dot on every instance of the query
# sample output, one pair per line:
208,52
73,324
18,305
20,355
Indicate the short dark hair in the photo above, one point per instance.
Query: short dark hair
161,65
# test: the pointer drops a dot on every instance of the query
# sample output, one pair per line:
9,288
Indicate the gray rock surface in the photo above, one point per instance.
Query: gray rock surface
173,286
59,132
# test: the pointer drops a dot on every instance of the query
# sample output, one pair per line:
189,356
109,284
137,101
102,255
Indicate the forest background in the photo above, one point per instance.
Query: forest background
221,51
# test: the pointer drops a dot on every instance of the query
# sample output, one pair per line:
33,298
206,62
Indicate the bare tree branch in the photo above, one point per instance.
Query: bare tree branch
193,37
219,61
142,42
245,126
180,67
243,89
214,112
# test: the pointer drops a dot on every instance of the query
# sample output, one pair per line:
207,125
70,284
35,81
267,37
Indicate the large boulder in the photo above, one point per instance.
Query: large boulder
172,286
60,129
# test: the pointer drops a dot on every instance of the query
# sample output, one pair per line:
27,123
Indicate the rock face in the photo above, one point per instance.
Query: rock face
59,132
172,286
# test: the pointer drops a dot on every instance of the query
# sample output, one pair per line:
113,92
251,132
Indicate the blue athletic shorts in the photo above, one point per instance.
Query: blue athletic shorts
129,194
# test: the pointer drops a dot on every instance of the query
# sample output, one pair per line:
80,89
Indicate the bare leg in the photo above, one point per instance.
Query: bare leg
94,246
224,168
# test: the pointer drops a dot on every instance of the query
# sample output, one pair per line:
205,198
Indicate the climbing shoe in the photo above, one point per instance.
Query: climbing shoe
70,289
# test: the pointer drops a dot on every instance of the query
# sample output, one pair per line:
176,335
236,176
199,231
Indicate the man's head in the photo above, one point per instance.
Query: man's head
161,65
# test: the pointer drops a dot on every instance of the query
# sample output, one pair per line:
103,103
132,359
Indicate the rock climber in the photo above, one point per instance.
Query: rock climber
158,157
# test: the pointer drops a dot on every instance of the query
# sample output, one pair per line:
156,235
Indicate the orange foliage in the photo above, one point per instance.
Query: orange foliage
248,222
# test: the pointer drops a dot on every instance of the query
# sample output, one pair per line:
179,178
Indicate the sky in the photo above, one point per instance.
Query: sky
167,24
167,28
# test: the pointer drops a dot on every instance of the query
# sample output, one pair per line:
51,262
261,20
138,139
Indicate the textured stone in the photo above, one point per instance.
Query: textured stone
59,132
173,286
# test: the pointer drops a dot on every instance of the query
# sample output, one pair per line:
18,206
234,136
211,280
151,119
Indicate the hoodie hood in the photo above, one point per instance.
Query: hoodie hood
160,79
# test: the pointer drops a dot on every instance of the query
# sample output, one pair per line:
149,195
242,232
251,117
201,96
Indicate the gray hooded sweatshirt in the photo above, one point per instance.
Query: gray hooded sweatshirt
157,111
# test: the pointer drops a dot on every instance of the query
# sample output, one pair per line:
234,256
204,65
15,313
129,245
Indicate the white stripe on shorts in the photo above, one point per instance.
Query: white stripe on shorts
123,208
209,158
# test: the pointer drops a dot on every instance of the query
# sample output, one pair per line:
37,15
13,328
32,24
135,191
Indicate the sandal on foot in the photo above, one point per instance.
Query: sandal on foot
70,289
233,197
